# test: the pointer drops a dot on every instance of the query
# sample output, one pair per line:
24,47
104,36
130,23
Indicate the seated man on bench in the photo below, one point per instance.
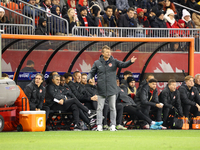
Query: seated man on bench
58,101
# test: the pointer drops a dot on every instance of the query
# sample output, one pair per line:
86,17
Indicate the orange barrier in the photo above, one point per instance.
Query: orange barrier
111,39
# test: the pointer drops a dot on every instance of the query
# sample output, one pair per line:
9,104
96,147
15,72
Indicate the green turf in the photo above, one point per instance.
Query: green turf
130,139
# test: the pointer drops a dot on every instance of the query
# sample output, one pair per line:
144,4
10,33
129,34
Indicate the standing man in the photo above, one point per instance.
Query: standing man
105,68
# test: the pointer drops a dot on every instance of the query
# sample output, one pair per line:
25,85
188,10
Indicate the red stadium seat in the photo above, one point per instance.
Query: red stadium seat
12,5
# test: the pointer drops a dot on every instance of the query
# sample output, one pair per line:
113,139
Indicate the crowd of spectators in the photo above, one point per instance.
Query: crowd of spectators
110,13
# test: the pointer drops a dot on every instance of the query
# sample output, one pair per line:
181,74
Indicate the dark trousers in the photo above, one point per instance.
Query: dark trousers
190,109
91,105
132,111
71,105
153,110
166,112
119,109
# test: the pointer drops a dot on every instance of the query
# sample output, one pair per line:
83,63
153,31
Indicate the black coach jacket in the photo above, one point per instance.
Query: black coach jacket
53,91
171,99
35,95
189,97
143,96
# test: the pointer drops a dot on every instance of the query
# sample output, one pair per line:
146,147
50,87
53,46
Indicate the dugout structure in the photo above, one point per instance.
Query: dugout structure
36,42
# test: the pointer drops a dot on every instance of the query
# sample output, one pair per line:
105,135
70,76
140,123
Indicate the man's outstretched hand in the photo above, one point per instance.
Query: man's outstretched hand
133,59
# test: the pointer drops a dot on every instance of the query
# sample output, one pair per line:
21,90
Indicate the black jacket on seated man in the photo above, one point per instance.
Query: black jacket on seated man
197,86
130,106
171,99
147,99
80,92
172,103
35,95
189,99
67,91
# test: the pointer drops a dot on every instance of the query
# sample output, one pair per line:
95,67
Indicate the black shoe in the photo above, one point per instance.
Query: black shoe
92,114
77,127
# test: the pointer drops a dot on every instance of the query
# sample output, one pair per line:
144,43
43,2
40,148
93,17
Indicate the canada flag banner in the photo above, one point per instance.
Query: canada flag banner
160,63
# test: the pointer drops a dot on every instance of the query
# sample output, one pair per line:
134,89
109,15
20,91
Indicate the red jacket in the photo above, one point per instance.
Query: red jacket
175,32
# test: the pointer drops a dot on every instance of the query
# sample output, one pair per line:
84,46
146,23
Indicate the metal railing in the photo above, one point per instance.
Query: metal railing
134,32
55,24
17,29
177,4
139,33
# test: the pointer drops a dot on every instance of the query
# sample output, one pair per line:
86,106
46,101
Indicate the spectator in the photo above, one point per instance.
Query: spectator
169,5
134,3
172,23
80,92
196,16
170,97
68,5
145,81
68,77
55,2
86,20
84,78
186,20
147,99
142,20
105,68
82,3
126,75
131,108
159,23
95,11
29,11
161,4
35,93
122,5
56,100
127,20
108,19
147,6
152,15
102,4
189,97
46,5
191,3
112,2
58,27
3,18
116,13
71,18
130,87
29,66
41,29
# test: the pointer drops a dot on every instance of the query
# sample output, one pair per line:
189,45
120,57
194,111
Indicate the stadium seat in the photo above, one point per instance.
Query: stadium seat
12,5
